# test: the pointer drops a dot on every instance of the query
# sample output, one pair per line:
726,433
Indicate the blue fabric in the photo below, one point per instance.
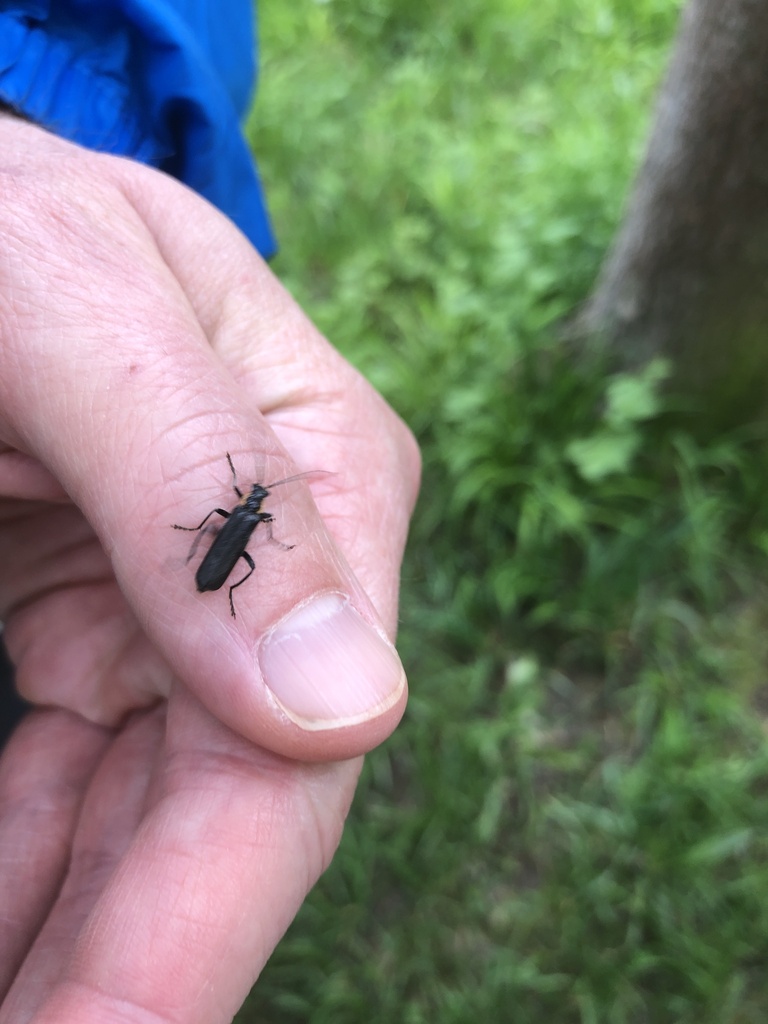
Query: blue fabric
162,81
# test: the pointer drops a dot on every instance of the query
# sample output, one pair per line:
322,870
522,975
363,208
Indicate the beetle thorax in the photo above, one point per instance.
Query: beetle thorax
255,496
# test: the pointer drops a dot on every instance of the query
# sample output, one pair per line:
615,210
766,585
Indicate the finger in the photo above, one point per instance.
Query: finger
69,627
305,668
24,477
44,772
108,819
315,401
213,879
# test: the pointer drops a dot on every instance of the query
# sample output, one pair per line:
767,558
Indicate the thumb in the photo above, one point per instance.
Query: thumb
290,644
140,444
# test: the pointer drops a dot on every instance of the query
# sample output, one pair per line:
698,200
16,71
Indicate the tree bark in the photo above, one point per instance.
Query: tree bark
688,273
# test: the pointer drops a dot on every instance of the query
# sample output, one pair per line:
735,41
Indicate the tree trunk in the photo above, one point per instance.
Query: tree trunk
688,274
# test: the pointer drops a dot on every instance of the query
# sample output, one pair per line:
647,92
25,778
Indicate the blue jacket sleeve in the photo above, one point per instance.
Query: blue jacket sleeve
162,81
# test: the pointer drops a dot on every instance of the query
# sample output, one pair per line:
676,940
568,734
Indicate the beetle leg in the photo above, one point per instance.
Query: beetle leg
200,535
252,565
191,529
267,519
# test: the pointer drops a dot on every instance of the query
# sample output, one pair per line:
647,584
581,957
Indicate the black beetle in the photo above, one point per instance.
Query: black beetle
229,544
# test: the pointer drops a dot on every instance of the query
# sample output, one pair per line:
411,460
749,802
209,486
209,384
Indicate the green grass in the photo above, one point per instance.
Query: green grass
572,823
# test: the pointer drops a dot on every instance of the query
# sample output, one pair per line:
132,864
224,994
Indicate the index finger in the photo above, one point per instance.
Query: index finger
222,862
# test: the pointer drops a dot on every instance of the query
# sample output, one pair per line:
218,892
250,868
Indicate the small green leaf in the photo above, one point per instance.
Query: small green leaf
602,454
632,397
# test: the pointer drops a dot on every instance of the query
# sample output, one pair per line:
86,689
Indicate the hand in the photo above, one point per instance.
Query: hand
159,824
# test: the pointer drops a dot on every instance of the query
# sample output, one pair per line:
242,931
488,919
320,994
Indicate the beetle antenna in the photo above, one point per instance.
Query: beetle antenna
300,476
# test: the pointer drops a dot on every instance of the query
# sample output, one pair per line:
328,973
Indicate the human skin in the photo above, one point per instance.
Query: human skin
185,777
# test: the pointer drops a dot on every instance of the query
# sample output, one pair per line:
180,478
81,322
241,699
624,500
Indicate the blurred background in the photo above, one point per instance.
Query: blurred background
571,824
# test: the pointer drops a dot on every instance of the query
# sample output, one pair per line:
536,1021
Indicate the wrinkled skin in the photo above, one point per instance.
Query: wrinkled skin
185,776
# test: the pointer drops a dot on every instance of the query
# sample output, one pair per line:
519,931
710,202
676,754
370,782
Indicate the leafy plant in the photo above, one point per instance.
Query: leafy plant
571,822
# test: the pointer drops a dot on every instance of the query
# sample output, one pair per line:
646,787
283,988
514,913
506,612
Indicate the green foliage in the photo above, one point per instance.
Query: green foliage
571,823
630,399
